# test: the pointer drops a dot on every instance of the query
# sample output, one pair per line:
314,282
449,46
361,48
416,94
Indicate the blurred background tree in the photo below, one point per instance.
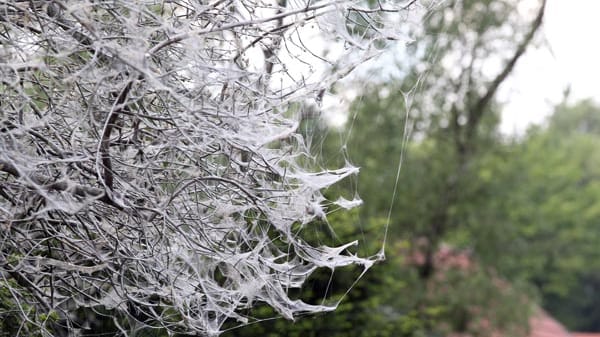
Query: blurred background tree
546,210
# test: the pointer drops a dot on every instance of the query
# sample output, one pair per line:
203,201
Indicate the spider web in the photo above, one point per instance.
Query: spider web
152,169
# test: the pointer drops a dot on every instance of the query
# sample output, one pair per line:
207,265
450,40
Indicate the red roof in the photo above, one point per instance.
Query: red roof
542,325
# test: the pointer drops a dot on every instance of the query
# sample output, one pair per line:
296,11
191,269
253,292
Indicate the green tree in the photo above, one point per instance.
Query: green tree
544,214
455,129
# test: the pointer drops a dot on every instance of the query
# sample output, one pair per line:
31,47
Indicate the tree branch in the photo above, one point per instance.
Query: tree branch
104,148
476,112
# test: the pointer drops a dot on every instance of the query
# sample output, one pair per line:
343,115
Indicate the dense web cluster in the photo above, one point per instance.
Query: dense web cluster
151,168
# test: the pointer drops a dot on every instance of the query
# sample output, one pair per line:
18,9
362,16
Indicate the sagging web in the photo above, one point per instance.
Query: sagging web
152,166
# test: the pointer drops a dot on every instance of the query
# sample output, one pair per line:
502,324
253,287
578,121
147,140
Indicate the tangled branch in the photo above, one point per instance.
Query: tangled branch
150,166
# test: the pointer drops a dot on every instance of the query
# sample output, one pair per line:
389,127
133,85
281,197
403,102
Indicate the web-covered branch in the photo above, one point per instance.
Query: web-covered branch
151,171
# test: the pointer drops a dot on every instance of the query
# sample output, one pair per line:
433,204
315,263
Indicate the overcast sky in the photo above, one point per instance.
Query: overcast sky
571,29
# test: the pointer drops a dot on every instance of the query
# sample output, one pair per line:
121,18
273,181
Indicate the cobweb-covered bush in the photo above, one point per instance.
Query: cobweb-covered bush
150,165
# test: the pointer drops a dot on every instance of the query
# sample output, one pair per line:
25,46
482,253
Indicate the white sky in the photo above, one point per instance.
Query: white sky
571,29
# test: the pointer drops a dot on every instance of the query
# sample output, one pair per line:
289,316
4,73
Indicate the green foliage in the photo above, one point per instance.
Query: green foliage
19,317
549,206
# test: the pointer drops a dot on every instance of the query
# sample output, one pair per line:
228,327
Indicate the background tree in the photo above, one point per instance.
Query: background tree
466,51
546,204
151,168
